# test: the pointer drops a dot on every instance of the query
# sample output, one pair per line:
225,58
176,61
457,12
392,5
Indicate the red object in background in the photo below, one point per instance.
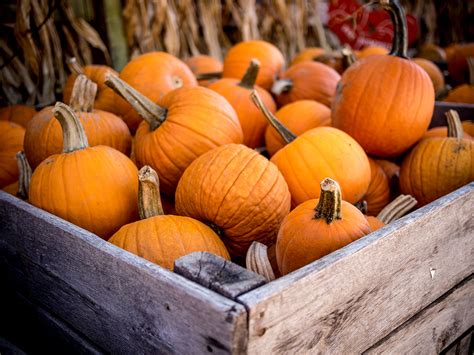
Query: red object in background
370,27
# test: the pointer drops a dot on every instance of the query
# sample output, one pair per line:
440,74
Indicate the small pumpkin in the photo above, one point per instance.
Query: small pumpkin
238,59
299,117
237,93
92,187
11,141
433,71
161,238
372,50
438,166
432,53
378,193
19,114
465,92
20,188
204,64
307,55
394,210
318,227
238,192
306,81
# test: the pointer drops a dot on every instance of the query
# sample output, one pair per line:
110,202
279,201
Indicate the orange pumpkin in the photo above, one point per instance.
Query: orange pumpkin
92,187
189,122
392,171
204,64
438,166
237,92
394,210
432,52
371,50
468,127
385,101
306,81
299,117
11,142
20,188
161,238
44,136
378,193
318,227
154,75
464,93
19,114
238,192
307,55
238,59
457,63
320,152
433,71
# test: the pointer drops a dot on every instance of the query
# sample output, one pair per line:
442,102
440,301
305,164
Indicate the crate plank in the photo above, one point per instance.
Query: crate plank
119,301
435,327
465,111
355,296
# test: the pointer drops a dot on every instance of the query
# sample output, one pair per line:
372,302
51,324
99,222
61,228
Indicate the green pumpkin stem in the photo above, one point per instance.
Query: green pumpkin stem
400,32
284,132
281,86
455,129
74,136
153,114
250,76
397,208
74,66
83,94
149,199
330,201
25,175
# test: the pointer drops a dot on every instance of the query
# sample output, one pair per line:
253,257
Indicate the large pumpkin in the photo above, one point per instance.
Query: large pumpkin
188,123
438,166
238,59
318,227
378,193
433,71
204,64
19,114
238,192
385,101
237,92
465,92
163,238
92,187
20,188
11,142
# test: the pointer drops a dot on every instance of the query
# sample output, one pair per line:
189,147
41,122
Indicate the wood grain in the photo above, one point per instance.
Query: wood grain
119,301
352,298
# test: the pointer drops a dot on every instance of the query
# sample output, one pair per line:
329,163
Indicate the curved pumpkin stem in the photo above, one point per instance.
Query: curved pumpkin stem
153,114
281,86
209,76
258,262
83,94
74,136
330,201
74,66
397,208
149,199
455,129
284,132
25,175
400,32
250,76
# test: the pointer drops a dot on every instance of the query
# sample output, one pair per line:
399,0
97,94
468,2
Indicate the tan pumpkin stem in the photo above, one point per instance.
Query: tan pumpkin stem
397,208
258,262
83,94
455,129
250,76
330,201
470,64
281,86
25,175
149,199
400,37
74,66
284,132
348,57
209,76
153,114
74,136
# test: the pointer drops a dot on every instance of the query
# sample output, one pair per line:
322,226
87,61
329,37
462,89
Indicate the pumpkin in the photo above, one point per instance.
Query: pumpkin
318,227
432,52
307,55
457,63
204,64
464,93
306,81
189,122
238,59
392,171
154,75
237,92
438,166
468,127
371,50
394,210
11,141
92,187
450,50
19,114
299,117
20,187
385,101
238,192
433,71
44,136
378,193
318,153
161,238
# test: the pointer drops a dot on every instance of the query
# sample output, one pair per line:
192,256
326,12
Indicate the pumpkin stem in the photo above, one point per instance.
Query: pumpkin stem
83,94
25,175
281,86
74,66
400,36
361,206
455,129
258,262
397,208
348,57
149,199
153,114
284,132
250,76
470,64
330,201
74,136
209,76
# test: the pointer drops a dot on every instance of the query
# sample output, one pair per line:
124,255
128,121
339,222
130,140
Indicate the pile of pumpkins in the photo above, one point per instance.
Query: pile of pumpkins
348,153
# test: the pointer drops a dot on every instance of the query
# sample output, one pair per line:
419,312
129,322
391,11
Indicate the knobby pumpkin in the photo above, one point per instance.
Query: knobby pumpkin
19,114
394,210
11,142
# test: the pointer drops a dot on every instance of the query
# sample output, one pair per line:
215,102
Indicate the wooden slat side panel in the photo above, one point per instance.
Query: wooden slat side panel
350,299
119,301
465,111
434,328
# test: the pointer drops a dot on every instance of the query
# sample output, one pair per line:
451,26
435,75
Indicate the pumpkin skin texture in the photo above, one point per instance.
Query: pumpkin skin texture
19,114
378,193
433,71
237,190
153,74
239,56
307,55
468,127
371,50
374,223
11,141
299,117
305,237
202,64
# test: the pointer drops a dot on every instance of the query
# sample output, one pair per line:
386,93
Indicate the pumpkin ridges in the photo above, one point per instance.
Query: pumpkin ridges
12,136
